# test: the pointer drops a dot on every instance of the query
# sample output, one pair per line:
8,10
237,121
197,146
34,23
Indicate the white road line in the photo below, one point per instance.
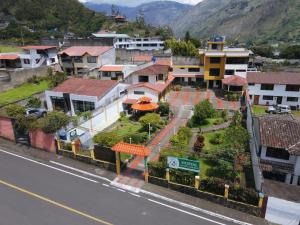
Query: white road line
106,185
135,195
186,212
81,171
120,190
195,208
51,167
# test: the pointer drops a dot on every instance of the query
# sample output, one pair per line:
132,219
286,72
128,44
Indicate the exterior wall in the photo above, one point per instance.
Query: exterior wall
135,79
279,90
32,55
81,98
297,166
108,57
48,94
292,159
6,129
139,44
208,66
236,67
39,139
148,92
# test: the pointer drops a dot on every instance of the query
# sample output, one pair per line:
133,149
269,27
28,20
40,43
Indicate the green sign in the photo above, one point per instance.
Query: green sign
184,164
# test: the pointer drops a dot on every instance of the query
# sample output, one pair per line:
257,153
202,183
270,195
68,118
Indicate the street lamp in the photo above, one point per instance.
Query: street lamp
130,140
149,134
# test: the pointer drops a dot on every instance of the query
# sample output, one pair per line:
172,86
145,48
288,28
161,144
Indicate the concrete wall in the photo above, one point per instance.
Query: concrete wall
236,67
148,92
108,57
6,128
39,139
292,159
297,166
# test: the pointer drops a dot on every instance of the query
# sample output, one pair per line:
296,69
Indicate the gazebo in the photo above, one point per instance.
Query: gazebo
144,104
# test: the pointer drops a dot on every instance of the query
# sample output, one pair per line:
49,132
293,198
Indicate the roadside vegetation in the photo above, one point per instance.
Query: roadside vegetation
9,48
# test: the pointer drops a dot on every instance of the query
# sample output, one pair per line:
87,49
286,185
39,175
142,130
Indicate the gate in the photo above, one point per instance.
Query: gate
21,133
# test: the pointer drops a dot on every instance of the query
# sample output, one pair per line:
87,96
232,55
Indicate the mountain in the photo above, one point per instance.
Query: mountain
155,13
246,20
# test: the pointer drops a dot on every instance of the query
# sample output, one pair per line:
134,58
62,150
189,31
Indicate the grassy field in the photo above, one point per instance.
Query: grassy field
259,109
6,48
24,91
208,147
125,126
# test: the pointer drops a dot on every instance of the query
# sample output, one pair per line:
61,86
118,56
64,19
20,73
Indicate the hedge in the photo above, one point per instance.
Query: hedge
157,169
182,177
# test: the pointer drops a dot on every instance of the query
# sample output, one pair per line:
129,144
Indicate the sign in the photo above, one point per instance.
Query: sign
184,164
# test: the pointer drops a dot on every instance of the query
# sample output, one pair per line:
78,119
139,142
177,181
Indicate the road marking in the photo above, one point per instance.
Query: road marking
186,212
120,189
106,185
81,171
135,195
51,167
55,203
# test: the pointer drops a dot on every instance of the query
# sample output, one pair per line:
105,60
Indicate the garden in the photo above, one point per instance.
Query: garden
223,155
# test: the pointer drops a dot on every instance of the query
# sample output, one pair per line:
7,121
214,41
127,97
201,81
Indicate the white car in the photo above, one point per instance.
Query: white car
279,109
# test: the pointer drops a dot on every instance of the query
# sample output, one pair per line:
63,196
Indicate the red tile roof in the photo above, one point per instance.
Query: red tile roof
142,58
82,50
235,81
130,101
154,69
131,149
150,106
273,78
280,132
9,56
111,68
87,87
38,47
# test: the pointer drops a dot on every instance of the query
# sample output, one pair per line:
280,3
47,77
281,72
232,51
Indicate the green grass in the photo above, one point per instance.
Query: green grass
210,122
6,48
259,109
125,126
125,156
208,147
24,91
204,166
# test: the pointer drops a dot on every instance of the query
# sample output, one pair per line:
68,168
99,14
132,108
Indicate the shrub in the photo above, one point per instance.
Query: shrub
224,114
157,169
218,121
136,138
34,80
203,110
53,122
15,110
150,118
245,195
107,139
164,153
182,177
182,138
199,144
34,102
56,79
216,139
164,108
213,185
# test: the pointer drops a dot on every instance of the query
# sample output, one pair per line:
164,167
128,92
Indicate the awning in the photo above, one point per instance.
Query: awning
131,149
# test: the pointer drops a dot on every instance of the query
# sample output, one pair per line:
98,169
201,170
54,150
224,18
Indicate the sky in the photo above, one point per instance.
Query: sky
137,2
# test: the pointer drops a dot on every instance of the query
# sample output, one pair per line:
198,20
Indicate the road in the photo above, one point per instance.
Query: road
37,193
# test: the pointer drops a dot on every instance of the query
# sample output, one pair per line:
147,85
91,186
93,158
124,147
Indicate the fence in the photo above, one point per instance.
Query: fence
258,178
224,194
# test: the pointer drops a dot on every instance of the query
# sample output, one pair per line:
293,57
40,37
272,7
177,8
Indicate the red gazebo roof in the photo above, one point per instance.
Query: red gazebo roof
144,104
131,149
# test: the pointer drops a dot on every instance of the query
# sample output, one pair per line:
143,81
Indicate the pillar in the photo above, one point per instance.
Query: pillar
146,172
168,174
118,163
226,191
261,199
197,182
295,180
73,144
288,178
58,144
93,154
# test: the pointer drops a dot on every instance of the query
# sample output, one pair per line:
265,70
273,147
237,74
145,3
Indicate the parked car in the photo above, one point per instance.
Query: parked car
279,109
36,112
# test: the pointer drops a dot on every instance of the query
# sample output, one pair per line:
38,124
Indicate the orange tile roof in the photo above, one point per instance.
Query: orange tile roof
9,56
38,47
142,58
145,99
145,106
111,68
234,80
131,149
82,50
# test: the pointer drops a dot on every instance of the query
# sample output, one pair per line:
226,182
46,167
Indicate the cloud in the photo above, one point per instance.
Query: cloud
136,2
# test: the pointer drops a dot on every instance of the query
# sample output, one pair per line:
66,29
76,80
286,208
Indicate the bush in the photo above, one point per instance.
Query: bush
245,195
199,144
157,169
56,79
150,118
213,185
164,108
107,139
136,138
218,121
164,153
182,138
34,80
34,102
53,122
203,111
182,177
15,110
216,139
224,115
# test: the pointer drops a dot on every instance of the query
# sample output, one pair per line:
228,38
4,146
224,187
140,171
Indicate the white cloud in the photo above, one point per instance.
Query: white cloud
137,2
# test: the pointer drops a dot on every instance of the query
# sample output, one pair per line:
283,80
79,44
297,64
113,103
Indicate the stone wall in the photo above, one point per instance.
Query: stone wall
6,129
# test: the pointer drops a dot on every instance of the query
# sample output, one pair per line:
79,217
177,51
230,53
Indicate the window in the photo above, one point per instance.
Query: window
277,153
292,87
241,71
251,84
153,45
82,106
195,70
251,96
229,72
52,60
292,99
143,79
160,77
91,59
58,103
139,92
106,74
78,59
267,97
237,60
139,45
145,45
214,72
267,87
214,46
26,61
215,60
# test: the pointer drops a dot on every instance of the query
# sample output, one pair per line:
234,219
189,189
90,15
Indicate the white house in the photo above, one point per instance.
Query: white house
115,72
140,43
279,141
79,95
81,60
270,88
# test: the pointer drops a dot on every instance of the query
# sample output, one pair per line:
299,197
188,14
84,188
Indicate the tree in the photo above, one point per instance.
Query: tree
182,48
53,122
34,102
187,36
164,108
150,118
236,138
57,78
203,110
15,110
107,139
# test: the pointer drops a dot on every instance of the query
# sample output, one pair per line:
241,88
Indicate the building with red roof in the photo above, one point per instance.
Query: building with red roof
86,60
80,95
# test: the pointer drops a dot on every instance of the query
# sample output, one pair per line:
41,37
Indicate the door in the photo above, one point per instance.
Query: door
256,99
67,102
279,100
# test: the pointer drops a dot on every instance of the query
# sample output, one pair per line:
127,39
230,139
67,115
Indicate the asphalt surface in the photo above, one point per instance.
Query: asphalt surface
36,194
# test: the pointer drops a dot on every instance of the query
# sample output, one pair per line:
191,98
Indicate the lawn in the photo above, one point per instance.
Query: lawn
208,147
23,91
259,109
6,48
125,126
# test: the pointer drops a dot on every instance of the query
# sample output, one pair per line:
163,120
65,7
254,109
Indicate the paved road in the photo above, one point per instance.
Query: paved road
35,193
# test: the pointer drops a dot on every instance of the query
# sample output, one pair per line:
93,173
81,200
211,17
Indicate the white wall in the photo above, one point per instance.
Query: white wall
279,90
236,67
108,57
297,166
135,79
148,92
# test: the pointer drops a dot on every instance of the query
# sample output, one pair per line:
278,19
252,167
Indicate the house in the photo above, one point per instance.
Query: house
79,95
268,88
140,43
81,60
33,56
220,62
115,72
110,37
278,138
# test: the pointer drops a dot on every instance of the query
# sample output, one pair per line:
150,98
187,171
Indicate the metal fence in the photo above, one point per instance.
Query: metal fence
254,150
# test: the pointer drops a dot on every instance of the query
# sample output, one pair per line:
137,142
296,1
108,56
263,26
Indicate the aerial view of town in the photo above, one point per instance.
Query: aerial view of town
149,112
